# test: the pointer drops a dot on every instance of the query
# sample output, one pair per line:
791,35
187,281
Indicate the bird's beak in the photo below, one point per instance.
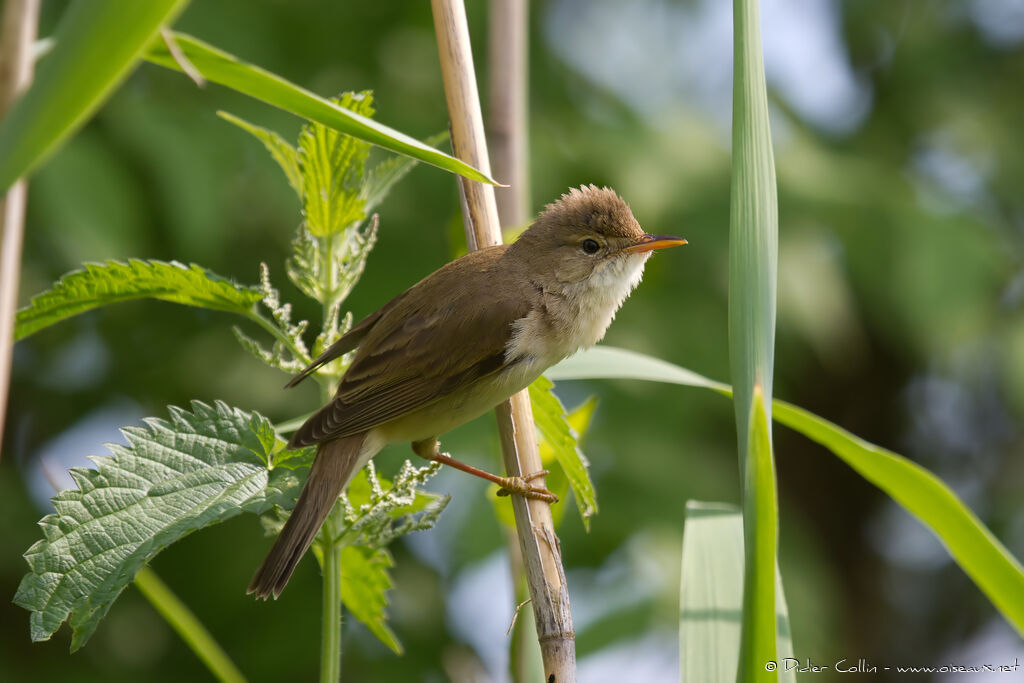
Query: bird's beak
652,242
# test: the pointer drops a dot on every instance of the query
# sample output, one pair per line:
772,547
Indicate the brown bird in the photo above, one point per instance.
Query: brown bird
459,342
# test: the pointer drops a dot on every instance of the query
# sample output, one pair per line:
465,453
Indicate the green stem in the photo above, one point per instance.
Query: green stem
330,638
273,329
182,620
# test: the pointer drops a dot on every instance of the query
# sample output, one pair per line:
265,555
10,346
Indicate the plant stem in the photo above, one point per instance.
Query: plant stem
185,623
506,127
330,635
274,330
17,34
542,557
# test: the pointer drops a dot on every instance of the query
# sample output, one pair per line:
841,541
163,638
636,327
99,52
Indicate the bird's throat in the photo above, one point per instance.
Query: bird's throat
576,315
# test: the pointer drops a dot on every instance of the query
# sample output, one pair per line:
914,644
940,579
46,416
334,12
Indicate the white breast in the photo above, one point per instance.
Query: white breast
585,310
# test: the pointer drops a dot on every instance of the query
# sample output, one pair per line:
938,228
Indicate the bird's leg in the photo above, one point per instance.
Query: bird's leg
430,449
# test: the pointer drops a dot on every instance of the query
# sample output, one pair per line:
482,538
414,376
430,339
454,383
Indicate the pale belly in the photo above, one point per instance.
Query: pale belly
462,406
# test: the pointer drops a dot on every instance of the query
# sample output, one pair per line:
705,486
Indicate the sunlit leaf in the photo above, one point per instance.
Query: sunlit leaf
553,426
331,171
220,67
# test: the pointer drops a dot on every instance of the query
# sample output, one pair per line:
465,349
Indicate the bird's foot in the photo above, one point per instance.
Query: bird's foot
520,487
430,449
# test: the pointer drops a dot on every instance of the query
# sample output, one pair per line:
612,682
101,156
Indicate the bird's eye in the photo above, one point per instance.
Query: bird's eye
590,246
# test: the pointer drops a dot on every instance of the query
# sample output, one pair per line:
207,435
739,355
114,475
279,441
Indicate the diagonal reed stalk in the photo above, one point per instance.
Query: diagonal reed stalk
539,545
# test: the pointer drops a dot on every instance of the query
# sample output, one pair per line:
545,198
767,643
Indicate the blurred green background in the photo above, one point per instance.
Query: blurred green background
898,144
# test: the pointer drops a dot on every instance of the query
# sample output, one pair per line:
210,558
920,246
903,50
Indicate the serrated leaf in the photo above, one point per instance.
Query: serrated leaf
550,419
220,67
101,284
286,156
365,582
331,165
173,477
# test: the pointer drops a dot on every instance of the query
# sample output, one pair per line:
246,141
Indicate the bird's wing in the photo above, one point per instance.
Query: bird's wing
416,354
345,343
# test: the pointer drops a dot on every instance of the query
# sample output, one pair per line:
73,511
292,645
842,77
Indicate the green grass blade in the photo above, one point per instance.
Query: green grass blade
753,262
979,553
710,596
227,70
760,541
97,44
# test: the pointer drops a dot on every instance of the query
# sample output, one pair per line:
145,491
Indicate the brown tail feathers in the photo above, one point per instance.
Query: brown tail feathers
333,468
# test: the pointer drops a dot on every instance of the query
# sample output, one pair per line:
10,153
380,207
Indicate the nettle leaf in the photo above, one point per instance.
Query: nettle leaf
557,434
286,156
173,477
99,284
332,165
365,581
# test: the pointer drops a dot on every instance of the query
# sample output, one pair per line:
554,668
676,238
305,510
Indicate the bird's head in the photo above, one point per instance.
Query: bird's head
589,237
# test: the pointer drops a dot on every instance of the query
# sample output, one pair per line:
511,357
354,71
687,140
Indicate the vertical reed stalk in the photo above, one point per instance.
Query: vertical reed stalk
17,35
539,545
508,67
753,263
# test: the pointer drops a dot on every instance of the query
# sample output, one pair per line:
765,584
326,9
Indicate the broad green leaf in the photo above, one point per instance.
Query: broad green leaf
286,156
226,69
978,552
114,281
711,597
553,427
97,44
364,584
173,477
331,167
760,533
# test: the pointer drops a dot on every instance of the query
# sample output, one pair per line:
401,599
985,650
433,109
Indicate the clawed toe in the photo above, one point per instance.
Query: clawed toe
519,486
